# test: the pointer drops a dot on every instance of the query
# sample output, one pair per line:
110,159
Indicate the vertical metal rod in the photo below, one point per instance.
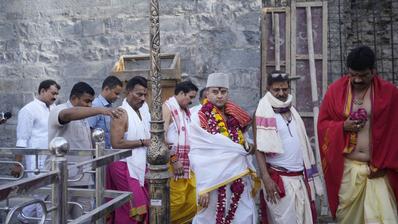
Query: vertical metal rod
392,43
99,139
59,194
158,153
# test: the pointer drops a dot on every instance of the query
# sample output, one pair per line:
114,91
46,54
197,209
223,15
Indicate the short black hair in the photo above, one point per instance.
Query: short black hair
80,88
136,80
185,87
277,76
46,84
201,92
361,58
111,82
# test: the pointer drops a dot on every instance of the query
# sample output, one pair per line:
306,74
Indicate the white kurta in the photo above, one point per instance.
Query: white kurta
295,206
32,131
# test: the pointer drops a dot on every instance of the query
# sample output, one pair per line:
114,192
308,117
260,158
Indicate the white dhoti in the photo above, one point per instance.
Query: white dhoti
218,161
294,207
246,212
364,200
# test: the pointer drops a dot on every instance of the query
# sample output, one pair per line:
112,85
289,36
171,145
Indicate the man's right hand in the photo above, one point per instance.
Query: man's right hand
353,125
16,170
271,189
178,168
204,200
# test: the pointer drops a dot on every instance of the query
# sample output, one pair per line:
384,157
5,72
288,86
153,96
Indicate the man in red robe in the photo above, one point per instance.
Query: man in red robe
358,143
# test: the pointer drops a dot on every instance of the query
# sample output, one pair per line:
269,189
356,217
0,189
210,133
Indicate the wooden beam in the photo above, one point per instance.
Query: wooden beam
306,57
309,4
264,47
272,63
314,93
314,89
277,45
274,10
288,41
293,35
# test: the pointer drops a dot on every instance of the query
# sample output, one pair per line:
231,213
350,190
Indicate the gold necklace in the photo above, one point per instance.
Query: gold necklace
359,101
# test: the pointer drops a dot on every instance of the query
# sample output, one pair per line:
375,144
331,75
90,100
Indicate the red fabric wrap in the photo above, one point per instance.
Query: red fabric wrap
230,109
333,140
276,177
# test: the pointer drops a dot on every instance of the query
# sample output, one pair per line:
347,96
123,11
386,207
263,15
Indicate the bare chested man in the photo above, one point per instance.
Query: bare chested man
358,145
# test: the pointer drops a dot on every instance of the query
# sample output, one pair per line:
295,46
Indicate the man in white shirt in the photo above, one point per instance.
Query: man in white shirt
32,130
284,155
33,122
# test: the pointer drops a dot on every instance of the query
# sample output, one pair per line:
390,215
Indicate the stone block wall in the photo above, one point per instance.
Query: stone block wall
71,41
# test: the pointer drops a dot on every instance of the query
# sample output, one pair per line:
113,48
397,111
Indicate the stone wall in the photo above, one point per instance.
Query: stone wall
71,41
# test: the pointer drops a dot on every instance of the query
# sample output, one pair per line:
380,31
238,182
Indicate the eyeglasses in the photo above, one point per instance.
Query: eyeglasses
276,75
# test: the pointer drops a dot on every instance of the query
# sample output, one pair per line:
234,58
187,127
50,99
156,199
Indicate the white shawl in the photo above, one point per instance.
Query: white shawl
268,140
215,159
137,129
181,119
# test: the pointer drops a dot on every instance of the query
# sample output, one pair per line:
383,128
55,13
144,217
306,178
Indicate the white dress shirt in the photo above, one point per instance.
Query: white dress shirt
32,130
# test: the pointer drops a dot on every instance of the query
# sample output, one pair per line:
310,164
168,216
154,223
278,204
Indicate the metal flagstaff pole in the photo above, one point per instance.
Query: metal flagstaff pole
158,153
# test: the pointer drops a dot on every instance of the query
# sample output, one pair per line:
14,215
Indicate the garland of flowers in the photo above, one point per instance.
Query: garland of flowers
216,123
237,188
231,129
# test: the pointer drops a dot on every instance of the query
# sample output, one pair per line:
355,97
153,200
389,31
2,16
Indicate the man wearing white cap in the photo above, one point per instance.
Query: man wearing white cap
220,158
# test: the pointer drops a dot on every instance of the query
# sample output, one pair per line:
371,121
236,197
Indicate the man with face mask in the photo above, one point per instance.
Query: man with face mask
284,156
221,158
358,143
177,119
131,131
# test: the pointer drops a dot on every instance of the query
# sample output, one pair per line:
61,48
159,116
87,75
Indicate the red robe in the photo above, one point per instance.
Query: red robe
334,142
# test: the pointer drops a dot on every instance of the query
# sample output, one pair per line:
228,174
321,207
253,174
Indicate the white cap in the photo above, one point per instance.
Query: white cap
218,80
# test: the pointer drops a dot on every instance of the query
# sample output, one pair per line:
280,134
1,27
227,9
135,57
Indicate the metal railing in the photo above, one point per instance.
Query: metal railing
57,177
